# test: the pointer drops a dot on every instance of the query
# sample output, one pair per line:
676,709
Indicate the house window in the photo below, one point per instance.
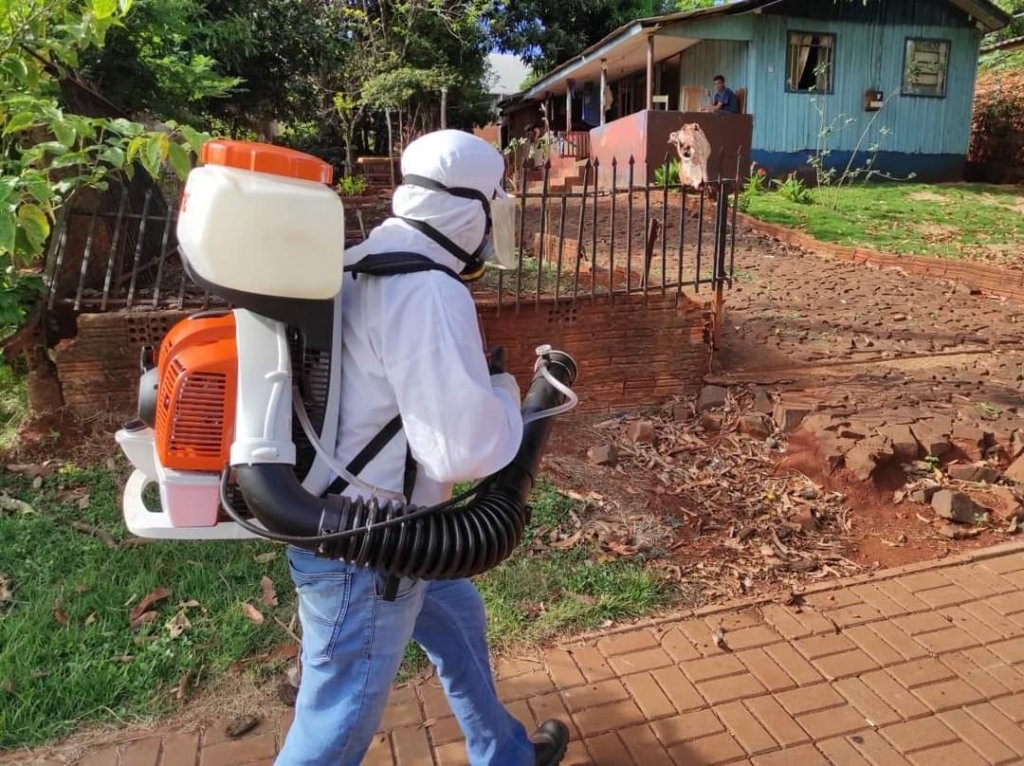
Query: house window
925,67
809,62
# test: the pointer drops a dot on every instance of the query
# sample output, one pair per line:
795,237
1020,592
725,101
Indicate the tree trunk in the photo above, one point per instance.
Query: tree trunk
391,144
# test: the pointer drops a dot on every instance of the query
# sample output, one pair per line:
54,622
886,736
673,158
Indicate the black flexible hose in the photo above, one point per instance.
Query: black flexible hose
432,543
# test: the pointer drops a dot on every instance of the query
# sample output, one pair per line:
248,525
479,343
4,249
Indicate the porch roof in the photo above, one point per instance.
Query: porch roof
625,48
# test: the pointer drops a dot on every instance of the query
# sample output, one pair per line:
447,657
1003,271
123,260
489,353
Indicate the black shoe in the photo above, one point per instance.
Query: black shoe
549,743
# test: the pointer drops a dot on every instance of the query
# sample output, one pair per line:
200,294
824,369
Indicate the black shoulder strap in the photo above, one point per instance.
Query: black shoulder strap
370,451
367,453
398,262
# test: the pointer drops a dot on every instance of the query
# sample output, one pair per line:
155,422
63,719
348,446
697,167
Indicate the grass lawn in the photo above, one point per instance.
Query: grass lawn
972,221
69,655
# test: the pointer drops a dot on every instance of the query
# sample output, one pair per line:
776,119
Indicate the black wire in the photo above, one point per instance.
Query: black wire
299,540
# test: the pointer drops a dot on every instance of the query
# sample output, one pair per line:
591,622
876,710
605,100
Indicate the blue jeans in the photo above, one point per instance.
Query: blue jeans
352,645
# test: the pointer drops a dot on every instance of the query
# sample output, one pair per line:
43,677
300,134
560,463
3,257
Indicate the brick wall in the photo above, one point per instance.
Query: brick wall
631,352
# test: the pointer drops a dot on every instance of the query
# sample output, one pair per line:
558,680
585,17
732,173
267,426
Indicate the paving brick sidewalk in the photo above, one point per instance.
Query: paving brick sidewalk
920,667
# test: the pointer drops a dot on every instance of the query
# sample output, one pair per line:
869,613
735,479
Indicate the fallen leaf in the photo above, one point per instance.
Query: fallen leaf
5,590
13,505
178,624
283,653
122,658
9,687
241,725
269,596
58,614
719,639
254,614
143,619
264,558
181,690
566,543
90,619
72,496
190,604
148,600
31,470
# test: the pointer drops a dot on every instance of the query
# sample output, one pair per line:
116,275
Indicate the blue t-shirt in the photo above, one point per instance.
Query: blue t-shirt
728,101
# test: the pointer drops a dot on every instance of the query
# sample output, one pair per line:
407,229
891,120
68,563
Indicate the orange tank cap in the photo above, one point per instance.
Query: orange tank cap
266,158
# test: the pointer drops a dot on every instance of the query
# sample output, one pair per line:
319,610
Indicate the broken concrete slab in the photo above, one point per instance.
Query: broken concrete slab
1016,447
973,472
933,438
603,454
711,397
756,425
955,532
789,414
971,439
1016,470
904,445
923,495
763,401
641,432
867,455
1005,502
956,506
712,421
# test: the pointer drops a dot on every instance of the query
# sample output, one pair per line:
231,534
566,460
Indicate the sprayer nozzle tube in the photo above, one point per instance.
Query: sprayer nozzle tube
443,542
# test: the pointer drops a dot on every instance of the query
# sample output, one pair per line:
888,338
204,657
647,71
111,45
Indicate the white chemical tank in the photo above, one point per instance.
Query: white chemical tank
264,220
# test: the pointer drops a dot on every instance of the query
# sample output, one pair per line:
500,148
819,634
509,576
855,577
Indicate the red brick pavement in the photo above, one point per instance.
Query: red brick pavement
909,667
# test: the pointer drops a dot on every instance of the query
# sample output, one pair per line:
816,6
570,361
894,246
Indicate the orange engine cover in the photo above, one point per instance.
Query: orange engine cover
195,412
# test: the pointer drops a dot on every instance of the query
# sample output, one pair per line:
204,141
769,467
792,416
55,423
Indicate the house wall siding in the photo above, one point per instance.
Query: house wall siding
703,61
866,56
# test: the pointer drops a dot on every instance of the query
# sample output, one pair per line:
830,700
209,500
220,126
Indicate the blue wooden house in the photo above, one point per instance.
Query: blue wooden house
891,76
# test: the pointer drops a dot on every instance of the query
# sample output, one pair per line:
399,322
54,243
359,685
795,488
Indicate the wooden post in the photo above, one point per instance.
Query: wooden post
604,84
650,71
568,108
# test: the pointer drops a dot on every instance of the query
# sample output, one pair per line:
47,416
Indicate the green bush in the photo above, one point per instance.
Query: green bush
351,186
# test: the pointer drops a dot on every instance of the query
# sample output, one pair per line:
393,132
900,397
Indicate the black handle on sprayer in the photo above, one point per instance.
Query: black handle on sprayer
433,544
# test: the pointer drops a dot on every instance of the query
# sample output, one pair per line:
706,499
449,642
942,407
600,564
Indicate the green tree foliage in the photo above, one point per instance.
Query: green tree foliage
1006,59
46,153
545,33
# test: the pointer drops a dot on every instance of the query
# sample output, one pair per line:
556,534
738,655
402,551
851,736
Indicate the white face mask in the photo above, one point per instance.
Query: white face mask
503,233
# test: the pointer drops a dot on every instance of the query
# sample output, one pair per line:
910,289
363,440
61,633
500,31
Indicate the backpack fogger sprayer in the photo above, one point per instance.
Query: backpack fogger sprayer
238,410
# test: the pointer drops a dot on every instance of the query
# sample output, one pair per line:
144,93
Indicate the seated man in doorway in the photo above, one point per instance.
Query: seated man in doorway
724,100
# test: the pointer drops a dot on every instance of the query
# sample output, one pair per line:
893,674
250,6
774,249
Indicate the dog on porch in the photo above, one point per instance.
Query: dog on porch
694,150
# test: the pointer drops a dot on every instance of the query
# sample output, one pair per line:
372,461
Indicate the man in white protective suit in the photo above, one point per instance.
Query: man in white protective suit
413,356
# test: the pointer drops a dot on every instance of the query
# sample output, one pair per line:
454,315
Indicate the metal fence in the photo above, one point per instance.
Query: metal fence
601,231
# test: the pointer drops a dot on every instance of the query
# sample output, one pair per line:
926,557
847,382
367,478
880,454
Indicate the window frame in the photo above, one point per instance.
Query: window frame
789,60
906,53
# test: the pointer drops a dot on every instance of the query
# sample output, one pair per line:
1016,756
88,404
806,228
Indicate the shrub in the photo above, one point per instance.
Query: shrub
997,135
352,186
793,189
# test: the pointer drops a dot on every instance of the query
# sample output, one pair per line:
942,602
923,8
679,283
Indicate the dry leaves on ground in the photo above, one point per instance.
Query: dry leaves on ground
252,613
148,600
178,624
269,593
746,523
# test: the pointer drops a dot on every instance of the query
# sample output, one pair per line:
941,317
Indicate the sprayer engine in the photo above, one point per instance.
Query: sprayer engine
238,409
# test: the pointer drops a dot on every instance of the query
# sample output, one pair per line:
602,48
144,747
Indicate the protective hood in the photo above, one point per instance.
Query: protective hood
456,160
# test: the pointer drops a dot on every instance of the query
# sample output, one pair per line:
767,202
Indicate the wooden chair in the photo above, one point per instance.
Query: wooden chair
693,98
741,100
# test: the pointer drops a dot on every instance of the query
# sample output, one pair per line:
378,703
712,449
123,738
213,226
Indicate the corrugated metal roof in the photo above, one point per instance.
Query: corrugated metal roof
985,12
